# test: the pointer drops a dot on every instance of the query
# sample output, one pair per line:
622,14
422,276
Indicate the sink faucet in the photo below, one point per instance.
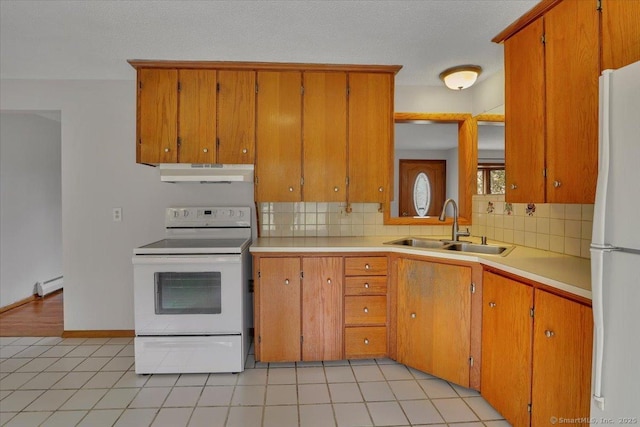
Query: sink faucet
455,232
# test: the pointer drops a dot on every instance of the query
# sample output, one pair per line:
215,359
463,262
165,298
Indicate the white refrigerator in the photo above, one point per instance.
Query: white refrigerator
615,252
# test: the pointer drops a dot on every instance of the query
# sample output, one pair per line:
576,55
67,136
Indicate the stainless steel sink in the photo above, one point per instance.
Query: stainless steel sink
450,245
420,243
479,249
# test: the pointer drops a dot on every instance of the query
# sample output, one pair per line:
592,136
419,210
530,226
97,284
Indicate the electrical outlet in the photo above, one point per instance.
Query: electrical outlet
117,214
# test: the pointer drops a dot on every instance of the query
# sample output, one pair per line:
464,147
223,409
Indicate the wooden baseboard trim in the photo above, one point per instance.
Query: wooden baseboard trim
100,333
19,303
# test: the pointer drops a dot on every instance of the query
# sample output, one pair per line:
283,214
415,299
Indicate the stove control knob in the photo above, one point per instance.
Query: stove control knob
185,213
231,212
176,213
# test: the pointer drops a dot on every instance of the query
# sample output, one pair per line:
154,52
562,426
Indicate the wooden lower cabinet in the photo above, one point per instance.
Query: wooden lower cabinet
278,310
534,368
322,308
298,308
562,350
365,307
507,326
365,342
434,318
365,310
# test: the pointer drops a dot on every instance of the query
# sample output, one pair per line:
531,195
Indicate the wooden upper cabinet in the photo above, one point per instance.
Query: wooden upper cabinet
572,70
197,116
560,121
507,326
324,136
620,33
562,351
370,137
157,124
279,137
434,318
322,289
525,115
236,116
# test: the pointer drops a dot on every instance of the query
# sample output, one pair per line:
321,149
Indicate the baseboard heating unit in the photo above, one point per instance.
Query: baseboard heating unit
52,285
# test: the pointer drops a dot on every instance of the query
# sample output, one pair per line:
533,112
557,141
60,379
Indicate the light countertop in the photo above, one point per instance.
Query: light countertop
568,273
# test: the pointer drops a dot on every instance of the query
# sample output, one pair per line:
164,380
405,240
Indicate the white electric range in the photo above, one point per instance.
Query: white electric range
192,302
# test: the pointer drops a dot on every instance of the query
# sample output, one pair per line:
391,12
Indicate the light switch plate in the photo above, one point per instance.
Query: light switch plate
117,214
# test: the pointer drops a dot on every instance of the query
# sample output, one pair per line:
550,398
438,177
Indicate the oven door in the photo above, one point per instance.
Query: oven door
188,295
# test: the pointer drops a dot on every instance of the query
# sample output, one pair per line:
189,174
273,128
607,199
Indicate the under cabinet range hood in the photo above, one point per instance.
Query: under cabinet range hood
205,173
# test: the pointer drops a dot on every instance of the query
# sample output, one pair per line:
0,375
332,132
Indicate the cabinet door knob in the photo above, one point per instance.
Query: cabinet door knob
291,189
286,281
366,341
513,186
413,315
367,266
366,309
336,189
244,151
380,189
205,150
492,304
366,286
549,333
329,281
166,150
557,183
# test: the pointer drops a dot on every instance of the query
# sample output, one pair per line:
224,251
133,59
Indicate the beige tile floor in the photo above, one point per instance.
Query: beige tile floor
91,382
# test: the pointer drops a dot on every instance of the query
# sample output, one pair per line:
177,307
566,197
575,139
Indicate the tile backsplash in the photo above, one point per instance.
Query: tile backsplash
331,219
562,228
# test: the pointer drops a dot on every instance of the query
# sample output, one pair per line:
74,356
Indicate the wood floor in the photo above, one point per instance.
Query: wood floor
40,318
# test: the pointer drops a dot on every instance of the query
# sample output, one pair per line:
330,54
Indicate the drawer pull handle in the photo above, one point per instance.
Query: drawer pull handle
366,286
492,304
549,333
336,189
286,281
205,150
366,310
557,184
366,341
367,266
329,281
381,189
514,186
413,315
244,151
291,189
166,150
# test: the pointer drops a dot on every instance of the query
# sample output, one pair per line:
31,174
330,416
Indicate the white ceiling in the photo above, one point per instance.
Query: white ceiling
92,39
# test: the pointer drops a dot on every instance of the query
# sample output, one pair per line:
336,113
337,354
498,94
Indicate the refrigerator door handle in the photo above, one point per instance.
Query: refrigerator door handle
597,274
602,183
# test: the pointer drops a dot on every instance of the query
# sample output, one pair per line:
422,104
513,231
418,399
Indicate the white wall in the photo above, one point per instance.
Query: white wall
98,173
488,95
432,99
30,204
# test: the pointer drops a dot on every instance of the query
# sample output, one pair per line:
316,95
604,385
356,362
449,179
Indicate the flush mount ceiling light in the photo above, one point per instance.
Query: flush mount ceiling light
460,77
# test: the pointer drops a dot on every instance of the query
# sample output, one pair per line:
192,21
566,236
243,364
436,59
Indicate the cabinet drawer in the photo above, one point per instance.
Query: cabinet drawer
366,341
365,285
365,266
365,310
